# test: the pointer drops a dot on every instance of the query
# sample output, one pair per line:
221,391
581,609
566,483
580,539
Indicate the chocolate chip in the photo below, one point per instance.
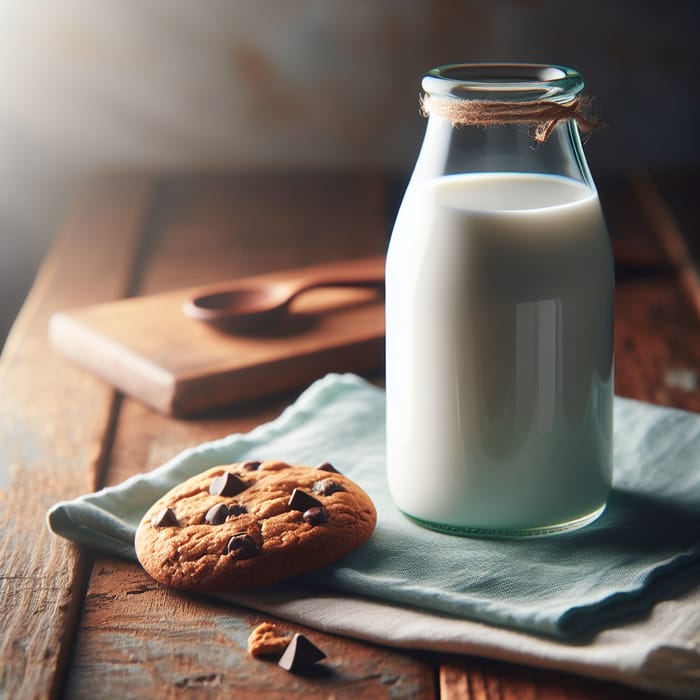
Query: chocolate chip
237,509
251,466
300,653
227,484
327,487
300,500
216,514
315,516
165,518
327,467
242,546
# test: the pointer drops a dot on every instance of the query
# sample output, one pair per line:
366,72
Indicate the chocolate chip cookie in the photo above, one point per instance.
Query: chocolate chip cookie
251,524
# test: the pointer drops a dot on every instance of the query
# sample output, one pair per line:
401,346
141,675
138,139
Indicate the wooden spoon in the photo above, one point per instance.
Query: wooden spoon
244,308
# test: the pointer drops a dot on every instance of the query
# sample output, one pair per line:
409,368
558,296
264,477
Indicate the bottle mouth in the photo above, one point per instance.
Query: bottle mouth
504,81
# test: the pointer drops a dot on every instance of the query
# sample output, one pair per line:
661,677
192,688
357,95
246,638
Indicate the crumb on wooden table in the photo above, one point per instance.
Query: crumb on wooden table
268,641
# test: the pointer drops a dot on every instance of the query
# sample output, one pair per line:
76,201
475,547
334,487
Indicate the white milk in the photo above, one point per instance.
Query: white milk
499,354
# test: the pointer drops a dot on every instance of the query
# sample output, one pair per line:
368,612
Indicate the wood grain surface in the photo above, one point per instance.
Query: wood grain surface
55,423
657,318
80,625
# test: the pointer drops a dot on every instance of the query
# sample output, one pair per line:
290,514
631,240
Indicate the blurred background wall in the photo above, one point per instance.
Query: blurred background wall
176,85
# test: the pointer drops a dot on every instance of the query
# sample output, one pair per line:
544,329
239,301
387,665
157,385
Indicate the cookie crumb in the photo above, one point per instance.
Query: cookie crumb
268,641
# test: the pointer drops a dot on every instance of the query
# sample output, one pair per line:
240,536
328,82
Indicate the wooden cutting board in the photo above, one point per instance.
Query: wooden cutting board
148,348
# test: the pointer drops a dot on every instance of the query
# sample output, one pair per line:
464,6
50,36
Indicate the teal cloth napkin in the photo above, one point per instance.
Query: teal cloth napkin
562,587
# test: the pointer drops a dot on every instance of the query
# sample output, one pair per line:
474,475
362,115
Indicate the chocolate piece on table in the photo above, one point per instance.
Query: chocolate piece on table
237,509
315,516
300,653
165,518
300,500
227,484
326,487
216,514
242,546
327,467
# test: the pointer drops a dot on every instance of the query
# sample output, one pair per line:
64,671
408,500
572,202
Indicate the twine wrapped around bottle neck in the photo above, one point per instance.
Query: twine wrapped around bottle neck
541,115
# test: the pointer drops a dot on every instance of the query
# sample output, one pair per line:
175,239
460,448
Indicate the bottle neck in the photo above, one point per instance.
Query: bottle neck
505,118
448,150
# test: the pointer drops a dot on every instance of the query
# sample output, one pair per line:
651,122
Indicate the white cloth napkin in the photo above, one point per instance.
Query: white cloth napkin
555,602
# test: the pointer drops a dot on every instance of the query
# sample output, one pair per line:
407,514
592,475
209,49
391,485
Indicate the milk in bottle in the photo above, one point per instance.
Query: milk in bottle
499,307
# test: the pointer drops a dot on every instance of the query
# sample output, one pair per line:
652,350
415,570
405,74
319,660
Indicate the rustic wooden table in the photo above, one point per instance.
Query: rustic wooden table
78,624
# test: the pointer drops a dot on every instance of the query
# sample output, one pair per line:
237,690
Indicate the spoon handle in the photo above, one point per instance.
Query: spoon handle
364,280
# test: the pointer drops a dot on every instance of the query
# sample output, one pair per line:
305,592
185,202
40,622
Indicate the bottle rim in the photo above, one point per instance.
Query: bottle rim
504,81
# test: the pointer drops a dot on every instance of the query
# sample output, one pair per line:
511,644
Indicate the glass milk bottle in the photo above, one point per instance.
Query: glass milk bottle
499,310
